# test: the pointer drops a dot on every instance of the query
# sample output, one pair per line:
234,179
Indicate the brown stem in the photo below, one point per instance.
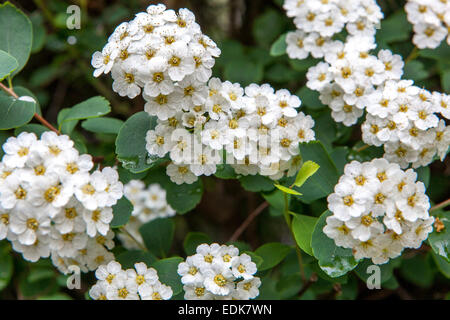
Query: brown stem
248,221
11,92
308,284
440,205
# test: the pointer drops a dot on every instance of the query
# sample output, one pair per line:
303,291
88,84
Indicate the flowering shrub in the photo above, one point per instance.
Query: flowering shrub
313,153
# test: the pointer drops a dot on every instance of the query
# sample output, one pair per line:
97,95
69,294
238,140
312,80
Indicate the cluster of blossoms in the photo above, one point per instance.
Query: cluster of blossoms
140,283
51,205
199,118
378,210
149,204
257,129
218,272
431,21
402,117
317,21
155,51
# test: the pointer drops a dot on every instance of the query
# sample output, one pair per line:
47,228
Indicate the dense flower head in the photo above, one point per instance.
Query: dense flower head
53,204
318,21
149,203
138,283
218,272
406,120
431,22
154,52
378,209
256,130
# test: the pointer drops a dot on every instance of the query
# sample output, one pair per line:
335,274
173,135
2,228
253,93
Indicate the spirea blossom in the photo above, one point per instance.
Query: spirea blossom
157,53
431,22
52,202
256,130
378,209
318,21
149,203
218,272
138,283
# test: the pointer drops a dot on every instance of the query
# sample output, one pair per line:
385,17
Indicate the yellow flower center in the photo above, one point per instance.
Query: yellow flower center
32,224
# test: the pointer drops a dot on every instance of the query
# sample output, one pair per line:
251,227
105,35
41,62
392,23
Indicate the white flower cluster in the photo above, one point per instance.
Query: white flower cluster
154,51
50,203
378,210
149,204
218,272
431,21
140,283
166,54
400,116
317,21
258,129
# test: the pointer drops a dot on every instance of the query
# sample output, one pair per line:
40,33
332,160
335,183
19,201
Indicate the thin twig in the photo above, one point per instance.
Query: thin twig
363,148
11,92
440,205
140,245
248,221
414,54
307,285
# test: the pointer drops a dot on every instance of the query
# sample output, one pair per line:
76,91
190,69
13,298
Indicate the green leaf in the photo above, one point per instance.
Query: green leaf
276,200
339,156
386,270
7,64
256,183
322,183
39,32
442,264
134,156
225,171
91,108
168,274
395,28
302,66
244,71
287,190
37,129
279,46
185,197
255,258
158,236
103,125
303,227
268,26
310,98
3,137
65,127
128,258
423,174
272,254
440,241
445,80
440,53
21,91
193,240
415,266
6,266
16,34
333,260
122,212
415,70
15,112
306,171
